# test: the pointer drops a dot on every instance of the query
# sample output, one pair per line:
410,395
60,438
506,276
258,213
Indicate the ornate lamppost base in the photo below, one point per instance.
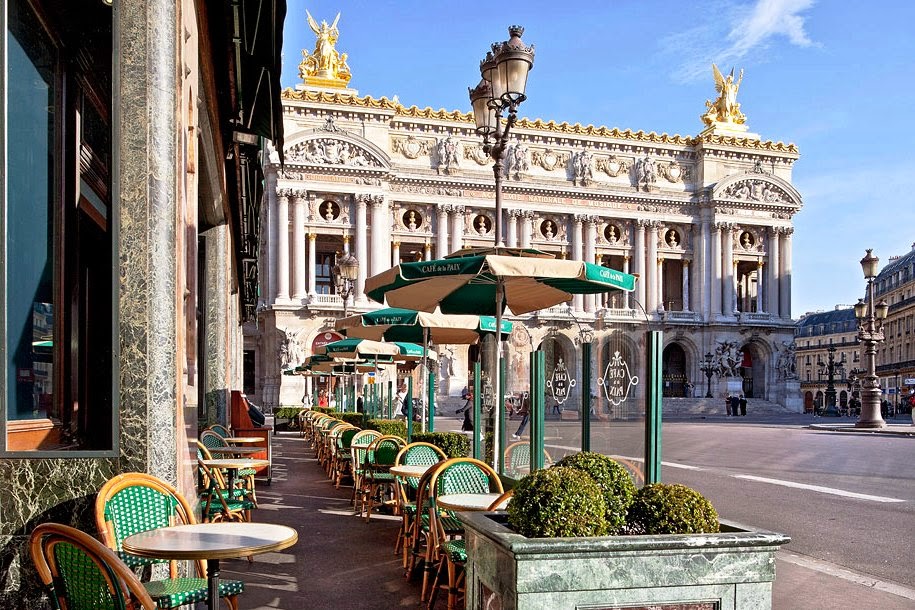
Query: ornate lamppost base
870,423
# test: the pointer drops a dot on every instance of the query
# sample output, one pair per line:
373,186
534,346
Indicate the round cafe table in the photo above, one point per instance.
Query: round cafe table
469,502
233,465
236,451
410,470
243,440
212,542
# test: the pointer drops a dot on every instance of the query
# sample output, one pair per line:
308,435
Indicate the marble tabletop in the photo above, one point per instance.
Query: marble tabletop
224,540
410,470
469,501
235,450
243,440
235,463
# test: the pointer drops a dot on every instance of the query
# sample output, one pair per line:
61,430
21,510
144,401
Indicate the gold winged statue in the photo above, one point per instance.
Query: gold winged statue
725,108
324,66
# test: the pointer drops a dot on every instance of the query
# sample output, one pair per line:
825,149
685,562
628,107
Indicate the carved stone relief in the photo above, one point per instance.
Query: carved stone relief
331,151
477,154
582,168
412,147
756,190
448,152
614,166
549,159
646,173
674,172
516,164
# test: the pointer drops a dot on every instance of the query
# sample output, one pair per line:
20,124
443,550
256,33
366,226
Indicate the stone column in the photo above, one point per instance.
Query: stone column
270,223
441,240
395,253
759,286
526,219
715,280
578,300
381,234
427,251
298,244
651,266
784,279
457,227
282,246
773,295
625,303
590,229
639,263
702,271
361,246
685,263
312,265
661,303
729,290
513,228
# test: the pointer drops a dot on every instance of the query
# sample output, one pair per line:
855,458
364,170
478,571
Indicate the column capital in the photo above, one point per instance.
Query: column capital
299,194
346,239
685,262
396,244
312,236
458,209
284,193
444,208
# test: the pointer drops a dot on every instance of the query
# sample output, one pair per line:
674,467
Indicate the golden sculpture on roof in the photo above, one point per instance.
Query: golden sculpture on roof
324,67
725,108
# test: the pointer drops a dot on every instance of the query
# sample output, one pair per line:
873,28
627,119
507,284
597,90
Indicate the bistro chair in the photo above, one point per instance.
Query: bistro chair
358,449
136,502
455,476
331,452
379,458
81,574
212,440
218,502
517,459
341,464
414,454
220,430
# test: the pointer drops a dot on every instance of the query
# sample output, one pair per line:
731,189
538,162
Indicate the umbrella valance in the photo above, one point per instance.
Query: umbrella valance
398,324
382,352
468,284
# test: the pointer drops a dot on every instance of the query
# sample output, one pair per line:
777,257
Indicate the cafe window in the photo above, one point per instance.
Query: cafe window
57,264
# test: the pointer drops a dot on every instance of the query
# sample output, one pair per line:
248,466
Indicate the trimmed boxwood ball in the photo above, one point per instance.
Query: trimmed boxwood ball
661,508
614,481
558,503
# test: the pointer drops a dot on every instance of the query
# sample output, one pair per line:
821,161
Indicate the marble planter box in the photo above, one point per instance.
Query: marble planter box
506,571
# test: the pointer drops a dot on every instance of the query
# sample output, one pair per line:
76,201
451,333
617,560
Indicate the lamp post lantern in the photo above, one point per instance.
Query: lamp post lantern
708,366
344,273
501,89
870,316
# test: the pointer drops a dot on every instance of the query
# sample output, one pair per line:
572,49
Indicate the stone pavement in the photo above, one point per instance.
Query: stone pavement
341,562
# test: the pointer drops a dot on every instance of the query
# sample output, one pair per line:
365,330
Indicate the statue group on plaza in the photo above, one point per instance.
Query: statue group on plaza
729,359
786,363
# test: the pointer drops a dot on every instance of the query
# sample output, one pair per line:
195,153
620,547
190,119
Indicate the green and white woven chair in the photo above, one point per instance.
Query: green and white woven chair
81,574
414,454
136,502
377,477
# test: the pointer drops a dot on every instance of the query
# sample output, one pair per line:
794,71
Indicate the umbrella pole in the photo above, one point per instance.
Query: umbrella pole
500,400
424,375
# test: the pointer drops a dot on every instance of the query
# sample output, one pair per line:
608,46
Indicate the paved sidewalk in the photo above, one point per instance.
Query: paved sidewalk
341,562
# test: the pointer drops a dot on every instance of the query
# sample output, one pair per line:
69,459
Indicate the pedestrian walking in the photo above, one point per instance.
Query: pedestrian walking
688,390
525,411
467,424
743,404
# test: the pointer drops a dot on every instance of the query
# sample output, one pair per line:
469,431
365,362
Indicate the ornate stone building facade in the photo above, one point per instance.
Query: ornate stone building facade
896,355
704,221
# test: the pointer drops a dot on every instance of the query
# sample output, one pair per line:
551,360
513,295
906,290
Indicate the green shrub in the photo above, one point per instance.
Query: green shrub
454,444
661,508
395,427
287,412
613,479
325,410
354,419
558,502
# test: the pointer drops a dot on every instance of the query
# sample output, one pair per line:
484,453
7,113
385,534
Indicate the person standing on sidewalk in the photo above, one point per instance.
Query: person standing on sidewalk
525,411
743,404
727,404
735,405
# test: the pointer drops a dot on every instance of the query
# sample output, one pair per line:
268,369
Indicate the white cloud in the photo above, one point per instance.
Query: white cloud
731,31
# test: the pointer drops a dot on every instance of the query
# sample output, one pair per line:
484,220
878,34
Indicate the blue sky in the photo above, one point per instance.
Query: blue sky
834,77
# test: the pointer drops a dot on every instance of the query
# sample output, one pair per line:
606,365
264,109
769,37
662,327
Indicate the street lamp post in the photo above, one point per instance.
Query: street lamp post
870,317
344,273
708,366
501,89
830,368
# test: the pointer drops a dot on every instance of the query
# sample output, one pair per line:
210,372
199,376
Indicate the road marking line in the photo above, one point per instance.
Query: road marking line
832,569
825,490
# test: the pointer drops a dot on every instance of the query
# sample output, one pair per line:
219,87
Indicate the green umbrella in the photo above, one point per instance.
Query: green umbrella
355,348
487,281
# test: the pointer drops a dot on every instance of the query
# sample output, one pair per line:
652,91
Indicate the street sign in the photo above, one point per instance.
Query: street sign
909,381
